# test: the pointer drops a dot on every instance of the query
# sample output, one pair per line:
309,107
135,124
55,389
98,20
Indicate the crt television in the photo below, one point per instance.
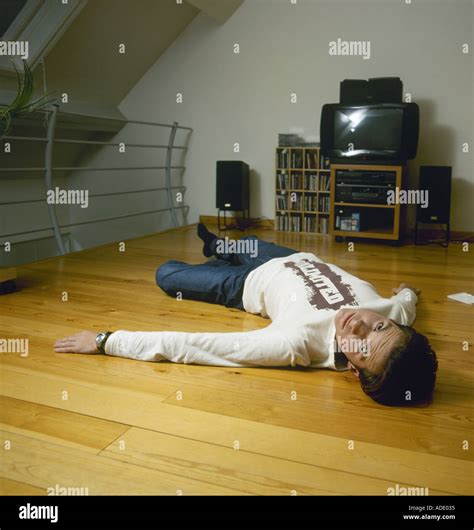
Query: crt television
382,131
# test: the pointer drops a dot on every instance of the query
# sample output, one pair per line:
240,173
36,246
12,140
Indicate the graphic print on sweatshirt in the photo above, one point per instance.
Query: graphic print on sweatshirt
324,288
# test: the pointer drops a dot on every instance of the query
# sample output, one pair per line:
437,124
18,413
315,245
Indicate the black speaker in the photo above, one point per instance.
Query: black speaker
436,180
385,90
353,91
232,185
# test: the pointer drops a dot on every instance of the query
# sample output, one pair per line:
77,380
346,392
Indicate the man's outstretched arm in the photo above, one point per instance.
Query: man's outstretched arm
262,347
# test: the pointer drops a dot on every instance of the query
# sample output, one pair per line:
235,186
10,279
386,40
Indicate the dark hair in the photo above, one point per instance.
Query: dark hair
409,375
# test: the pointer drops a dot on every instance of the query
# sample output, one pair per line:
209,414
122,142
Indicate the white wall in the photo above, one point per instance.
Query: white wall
245,98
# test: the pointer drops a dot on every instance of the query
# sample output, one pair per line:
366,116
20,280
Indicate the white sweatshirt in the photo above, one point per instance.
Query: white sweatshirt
300,294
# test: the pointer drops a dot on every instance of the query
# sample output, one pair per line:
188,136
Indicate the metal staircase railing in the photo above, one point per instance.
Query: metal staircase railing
51,140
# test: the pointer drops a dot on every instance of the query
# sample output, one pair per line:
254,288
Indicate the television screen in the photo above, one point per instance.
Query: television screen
382,131
368,128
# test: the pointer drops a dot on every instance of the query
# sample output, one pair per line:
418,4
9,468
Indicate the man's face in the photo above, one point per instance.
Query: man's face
366,338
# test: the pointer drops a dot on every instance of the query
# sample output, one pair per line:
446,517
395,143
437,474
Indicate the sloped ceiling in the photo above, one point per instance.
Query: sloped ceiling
85,62
219,10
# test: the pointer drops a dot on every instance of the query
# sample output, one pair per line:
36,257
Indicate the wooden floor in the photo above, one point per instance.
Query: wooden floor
117,426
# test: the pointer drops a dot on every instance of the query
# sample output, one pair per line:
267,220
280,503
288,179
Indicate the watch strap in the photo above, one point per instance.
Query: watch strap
101,343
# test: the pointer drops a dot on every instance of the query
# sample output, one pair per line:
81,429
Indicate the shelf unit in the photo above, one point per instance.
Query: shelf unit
302,190
391,217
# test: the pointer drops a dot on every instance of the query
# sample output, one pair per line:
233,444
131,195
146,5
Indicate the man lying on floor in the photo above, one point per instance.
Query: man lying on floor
322,317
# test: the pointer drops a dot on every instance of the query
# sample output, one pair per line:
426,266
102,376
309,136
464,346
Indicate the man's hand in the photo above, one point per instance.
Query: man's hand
396,290
82,342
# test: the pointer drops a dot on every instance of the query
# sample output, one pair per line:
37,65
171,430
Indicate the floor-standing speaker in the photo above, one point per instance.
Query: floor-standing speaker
232,187
436,181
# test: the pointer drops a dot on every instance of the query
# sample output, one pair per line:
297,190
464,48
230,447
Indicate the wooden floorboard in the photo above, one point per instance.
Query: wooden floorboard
13,487
46,465
122,418
241,470
59,426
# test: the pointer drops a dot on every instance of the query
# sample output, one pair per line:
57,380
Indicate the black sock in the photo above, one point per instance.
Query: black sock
207,237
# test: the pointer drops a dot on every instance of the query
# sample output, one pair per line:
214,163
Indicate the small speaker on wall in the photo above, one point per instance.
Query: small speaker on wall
232,187
436,182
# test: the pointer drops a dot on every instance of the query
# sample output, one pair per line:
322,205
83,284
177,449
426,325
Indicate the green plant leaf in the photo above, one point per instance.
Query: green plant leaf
25,87
38,103
6,120
23,101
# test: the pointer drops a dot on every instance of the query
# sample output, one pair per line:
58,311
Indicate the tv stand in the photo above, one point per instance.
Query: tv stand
366,218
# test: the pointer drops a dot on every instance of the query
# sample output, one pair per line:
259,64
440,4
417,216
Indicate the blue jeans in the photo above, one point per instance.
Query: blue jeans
218,281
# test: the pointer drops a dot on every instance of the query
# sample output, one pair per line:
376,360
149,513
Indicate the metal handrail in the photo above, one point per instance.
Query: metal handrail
85,168
88,142
50,140
49,181
108,118
169,154
139,122
94,221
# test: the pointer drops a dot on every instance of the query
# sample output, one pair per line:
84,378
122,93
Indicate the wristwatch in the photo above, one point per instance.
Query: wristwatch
101,339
